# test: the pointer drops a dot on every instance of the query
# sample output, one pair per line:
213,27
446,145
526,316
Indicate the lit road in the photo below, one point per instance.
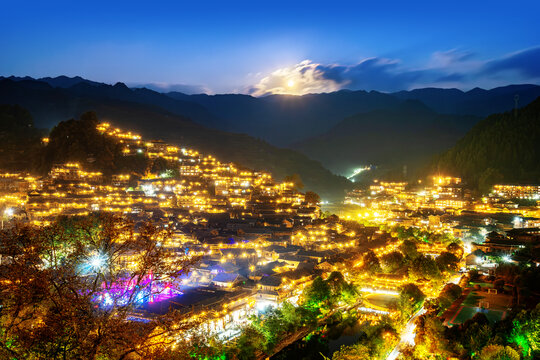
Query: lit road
407,336
409,333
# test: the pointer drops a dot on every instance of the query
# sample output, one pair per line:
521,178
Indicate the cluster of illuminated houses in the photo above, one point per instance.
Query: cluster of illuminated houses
199,186
259,242
505,221
426,206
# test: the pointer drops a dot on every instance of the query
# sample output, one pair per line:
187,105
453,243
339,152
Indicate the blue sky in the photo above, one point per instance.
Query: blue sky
264,47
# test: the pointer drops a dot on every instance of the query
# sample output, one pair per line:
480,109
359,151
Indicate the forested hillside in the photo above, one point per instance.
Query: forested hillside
19,139
501,148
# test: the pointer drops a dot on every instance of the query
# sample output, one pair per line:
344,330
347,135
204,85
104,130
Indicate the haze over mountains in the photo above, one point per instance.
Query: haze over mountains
343,130
406,134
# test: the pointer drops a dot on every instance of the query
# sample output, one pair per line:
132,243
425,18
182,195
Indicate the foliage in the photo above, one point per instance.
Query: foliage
392,261
341,290
50,283
296,180
250,341
317,295
447,261
502,147
353,352
499,284
410,297
408,248
476,333
79,141
266,330
498,352
424,267
455,249
371,262
430,338
449,294
525,332
377,340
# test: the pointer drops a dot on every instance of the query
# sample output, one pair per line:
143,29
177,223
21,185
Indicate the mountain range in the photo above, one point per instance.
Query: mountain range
284,134
49,105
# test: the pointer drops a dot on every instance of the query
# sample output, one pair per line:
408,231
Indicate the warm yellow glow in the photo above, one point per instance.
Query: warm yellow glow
290,83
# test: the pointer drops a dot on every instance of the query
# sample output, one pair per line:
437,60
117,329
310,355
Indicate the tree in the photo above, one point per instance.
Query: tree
449,294
78,141
455,249
525,333
410,296
353,352
476,333
336,281
408,248
341,290
291,315
65,293
431,337
498,352
20,142
317,295
392,261
312,198
371,262
424,267
250,341
488,178
447,261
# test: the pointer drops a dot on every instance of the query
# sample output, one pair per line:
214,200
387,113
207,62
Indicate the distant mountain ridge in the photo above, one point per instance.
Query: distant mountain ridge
307,123
478,102
61,81
403,135
286,119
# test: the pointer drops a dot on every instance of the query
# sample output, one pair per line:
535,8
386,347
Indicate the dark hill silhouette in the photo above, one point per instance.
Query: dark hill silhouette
406,134
59,81
500,148
20,141
477,101
394,139
286,119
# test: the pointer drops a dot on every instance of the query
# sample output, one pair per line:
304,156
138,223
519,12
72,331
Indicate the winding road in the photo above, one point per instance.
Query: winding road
407,335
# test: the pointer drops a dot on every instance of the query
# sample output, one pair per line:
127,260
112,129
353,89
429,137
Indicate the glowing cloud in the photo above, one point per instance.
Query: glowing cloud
447,69
302,78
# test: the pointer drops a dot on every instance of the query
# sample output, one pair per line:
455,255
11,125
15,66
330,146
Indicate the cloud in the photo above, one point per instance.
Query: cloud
299,79
450,58
309,77
525,62
451,68
372,74
165,88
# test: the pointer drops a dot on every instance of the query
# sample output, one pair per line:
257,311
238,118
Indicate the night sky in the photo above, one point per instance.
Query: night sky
261,47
